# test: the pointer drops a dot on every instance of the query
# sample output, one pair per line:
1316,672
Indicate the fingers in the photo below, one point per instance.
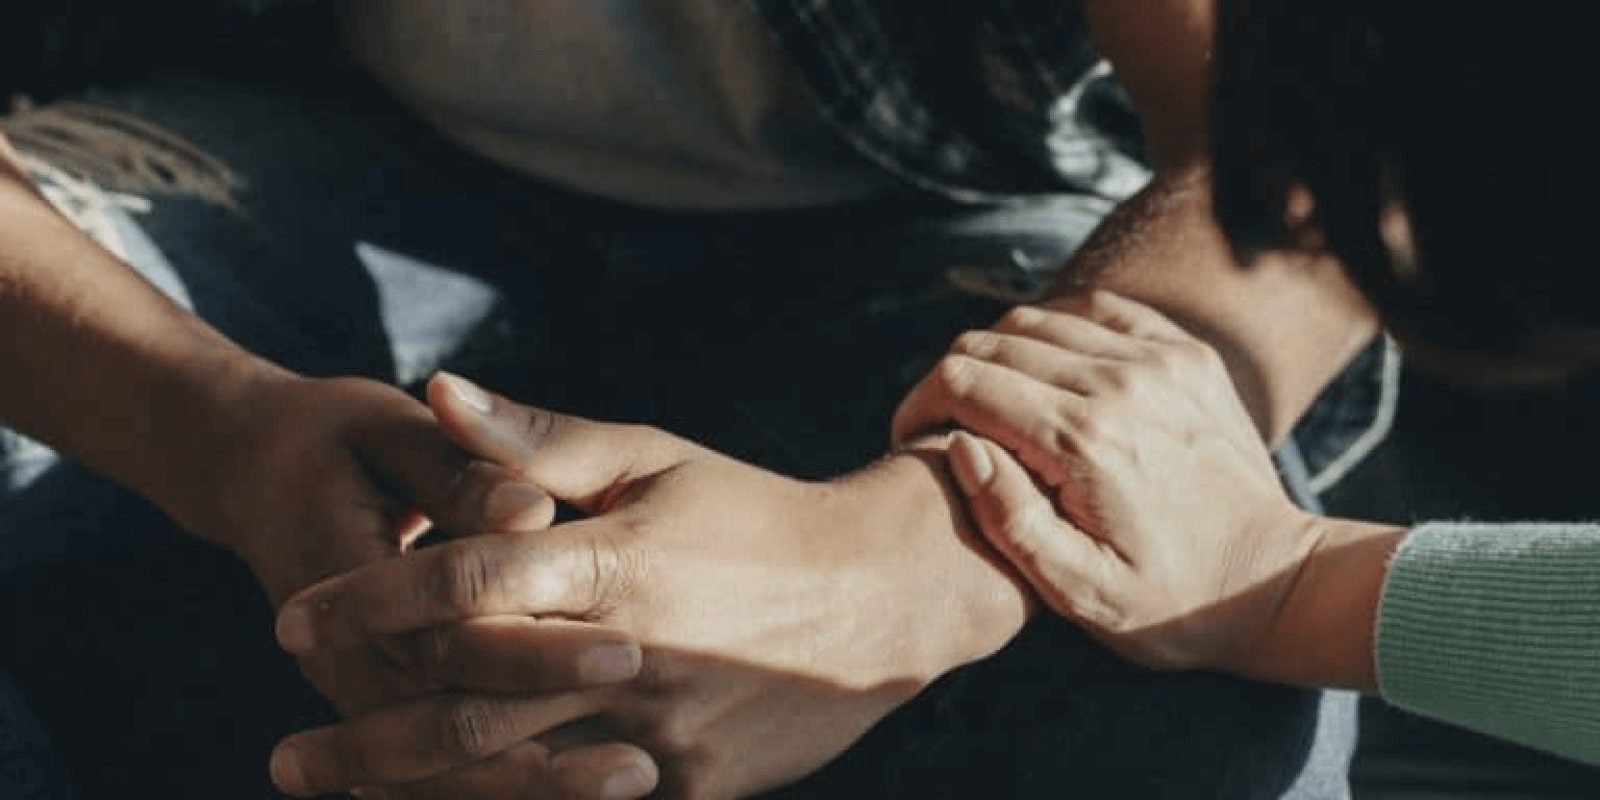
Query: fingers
567,571
487,498
461,495
1067,568
416,740
1026,415
577,460
1083,350
1121,314
1059,349
1042,361
520,655
1070,332
611,771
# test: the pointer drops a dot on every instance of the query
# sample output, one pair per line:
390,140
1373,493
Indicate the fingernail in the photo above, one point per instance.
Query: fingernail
288,773
296,633
629,783
509,500
610,663
476,398
973,466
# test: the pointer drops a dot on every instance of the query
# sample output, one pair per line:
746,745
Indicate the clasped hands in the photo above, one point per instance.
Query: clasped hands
706,628
710,629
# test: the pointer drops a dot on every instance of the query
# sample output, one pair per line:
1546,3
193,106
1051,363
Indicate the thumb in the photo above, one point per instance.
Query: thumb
1070,572
576,460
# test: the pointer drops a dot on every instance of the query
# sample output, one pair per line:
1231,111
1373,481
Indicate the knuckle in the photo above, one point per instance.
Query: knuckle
1065,437
342,761
1019,527
1098,301
615,570
1088,304
677,737
467,727
1020,318
978,344
1086,429
1090,604
465,579
538,426
602,558
954,374
1168,359
1118,379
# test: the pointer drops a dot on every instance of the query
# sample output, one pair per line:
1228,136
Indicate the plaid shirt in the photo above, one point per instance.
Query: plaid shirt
979,100
1037,110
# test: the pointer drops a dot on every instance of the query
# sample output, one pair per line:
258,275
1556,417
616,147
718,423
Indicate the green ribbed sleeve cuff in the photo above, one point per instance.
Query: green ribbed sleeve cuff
1497,628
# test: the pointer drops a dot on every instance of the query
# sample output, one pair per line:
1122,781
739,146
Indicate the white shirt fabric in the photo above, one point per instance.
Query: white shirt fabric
682,104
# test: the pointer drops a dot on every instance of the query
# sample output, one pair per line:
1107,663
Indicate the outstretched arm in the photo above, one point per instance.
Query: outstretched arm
780,619
303,478
1165,533
101,364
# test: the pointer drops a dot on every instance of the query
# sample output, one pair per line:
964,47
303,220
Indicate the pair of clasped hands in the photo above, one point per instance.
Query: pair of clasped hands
710,629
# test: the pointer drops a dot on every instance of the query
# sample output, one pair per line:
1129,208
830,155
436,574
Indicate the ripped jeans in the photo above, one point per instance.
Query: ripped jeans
328,232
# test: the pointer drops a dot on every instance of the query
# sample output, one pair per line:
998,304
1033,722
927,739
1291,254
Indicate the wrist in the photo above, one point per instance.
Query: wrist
1321,630
195,420
961,601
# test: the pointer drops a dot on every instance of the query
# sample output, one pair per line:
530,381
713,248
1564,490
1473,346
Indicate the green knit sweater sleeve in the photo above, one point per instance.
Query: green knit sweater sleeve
1497,628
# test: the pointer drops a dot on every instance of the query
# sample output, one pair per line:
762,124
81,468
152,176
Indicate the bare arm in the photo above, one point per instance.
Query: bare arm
101,364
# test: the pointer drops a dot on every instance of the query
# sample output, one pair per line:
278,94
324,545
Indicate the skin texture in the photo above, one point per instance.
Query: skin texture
1122,476
222,441
697,556
199,418
304,479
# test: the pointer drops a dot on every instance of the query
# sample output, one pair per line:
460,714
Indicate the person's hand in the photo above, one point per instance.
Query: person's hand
780,619
1152,515
306,479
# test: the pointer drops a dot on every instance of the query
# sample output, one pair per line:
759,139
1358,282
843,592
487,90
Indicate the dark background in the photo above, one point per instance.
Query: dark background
1456,453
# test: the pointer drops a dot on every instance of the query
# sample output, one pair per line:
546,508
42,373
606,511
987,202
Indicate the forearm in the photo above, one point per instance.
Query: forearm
972,603
101,365
1285,325
1485,626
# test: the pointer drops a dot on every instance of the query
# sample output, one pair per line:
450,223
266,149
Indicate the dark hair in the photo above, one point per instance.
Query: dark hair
1477,120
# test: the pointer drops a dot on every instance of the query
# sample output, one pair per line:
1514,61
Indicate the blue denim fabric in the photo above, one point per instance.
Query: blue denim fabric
364,246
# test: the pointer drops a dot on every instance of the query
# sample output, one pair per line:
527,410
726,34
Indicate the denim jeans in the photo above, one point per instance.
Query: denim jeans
345,239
